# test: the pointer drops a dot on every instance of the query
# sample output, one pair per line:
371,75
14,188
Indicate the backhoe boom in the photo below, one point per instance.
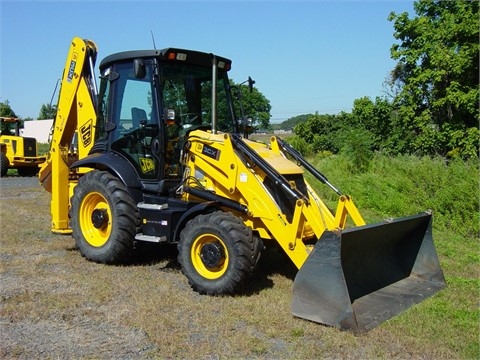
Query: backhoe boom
75,115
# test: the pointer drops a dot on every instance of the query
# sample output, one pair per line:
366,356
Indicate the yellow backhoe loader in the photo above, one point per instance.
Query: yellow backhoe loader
160,158
17,152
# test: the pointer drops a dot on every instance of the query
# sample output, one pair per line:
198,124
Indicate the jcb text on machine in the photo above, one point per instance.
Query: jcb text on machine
160,158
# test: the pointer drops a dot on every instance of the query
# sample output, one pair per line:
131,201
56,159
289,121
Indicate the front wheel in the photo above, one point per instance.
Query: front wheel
218,253
104,218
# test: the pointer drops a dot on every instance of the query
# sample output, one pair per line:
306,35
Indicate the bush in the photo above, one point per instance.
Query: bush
357,147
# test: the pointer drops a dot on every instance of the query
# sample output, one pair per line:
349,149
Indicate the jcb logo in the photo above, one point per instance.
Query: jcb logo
85,133
147,165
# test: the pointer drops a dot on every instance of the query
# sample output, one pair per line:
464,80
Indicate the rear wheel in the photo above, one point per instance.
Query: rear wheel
4,163
218,253
104,218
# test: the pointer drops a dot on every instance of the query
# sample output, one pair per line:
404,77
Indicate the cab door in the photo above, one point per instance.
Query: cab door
137,132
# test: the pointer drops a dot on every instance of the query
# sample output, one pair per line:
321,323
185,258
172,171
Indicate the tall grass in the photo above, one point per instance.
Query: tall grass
393,187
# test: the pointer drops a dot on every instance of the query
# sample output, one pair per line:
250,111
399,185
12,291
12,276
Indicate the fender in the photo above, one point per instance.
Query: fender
203,207
114,163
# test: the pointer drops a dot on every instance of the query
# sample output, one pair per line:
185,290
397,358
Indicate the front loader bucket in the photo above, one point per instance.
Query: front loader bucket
360,277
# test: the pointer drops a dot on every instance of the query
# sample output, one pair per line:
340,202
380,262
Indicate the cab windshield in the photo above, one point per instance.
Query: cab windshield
187,89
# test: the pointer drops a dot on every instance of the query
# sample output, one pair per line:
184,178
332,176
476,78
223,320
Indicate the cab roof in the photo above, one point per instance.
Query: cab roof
168,54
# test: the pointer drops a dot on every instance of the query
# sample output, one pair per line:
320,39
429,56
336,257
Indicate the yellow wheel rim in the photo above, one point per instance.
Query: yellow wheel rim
96,232
209,256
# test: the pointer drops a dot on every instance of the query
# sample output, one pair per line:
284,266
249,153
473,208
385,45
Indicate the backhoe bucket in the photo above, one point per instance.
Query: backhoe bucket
360,277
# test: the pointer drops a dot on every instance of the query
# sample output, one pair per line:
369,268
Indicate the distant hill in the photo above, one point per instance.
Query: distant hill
290,123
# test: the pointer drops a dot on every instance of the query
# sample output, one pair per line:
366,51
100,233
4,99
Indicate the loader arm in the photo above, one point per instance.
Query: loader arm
279,204
76,114
310,205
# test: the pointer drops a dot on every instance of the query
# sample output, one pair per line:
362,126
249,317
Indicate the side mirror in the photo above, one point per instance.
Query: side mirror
139,68
112,76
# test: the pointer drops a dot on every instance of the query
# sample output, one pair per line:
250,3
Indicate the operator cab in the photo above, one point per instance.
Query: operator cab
149,100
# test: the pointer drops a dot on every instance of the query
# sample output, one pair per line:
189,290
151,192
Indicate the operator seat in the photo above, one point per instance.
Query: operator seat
137,115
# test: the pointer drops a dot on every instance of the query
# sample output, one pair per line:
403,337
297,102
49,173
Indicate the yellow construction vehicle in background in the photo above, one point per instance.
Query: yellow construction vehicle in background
160,159
17,152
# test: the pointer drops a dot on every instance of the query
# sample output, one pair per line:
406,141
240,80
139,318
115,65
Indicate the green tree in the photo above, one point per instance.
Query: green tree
437,77
374,118
47,111
255,105
320,131
6,110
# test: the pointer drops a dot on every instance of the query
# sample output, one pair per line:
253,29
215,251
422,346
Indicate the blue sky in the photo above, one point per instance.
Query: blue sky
305,56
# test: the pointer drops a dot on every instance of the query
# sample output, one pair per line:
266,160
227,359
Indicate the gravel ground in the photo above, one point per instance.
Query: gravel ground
15,182
81,338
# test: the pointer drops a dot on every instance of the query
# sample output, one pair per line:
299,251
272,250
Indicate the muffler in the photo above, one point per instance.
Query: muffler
357,278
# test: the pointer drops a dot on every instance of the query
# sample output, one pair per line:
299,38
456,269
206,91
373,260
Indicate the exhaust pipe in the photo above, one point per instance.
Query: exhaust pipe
357,278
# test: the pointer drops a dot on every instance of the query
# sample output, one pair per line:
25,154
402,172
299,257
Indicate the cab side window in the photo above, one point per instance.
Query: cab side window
136,121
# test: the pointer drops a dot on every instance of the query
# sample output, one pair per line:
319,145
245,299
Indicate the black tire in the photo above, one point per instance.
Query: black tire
4,164
218,253
104,218
28,171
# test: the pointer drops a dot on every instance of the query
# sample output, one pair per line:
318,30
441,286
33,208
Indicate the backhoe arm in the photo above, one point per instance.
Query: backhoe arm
75,114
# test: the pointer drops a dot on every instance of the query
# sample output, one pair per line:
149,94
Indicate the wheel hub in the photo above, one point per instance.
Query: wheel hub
99,218
212,255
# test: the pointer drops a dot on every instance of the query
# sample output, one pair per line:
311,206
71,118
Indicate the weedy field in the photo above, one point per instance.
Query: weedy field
55,304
